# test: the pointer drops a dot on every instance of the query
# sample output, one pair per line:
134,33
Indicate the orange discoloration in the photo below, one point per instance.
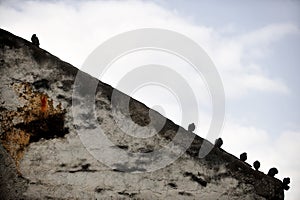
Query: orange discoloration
44,104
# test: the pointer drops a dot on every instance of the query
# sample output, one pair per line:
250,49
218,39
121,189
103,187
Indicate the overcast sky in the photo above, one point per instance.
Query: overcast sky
254,45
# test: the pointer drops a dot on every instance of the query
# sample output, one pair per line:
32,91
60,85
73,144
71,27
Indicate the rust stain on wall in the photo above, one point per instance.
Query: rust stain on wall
36,119
44,104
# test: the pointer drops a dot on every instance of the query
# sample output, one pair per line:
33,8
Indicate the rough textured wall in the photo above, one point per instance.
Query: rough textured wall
43,157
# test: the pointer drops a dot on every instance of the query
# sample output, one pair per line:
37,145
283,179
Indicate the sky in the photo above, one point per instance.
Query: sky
254,45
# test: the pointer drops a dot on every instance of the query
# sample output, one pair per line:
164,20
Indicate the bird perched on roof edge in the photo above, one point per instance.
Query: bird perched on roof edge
256,165
243,157
218,142
35,40
272,172
285,183
191,127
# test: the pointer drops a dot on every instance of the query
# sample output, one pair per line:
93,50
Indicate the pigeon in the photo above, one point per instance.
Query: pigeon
191,127
285,183
35,40
272,172
243,157
218,142
256,165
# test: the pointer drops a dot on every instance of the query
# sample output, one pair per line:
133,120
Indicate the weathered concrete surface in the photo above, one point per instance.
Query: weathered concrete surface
42,156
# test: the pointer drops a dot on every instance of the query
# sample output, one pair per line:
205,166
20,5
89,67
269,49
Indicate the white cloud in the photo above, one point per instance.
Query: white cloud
268,34
242,83
237,58
71,30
